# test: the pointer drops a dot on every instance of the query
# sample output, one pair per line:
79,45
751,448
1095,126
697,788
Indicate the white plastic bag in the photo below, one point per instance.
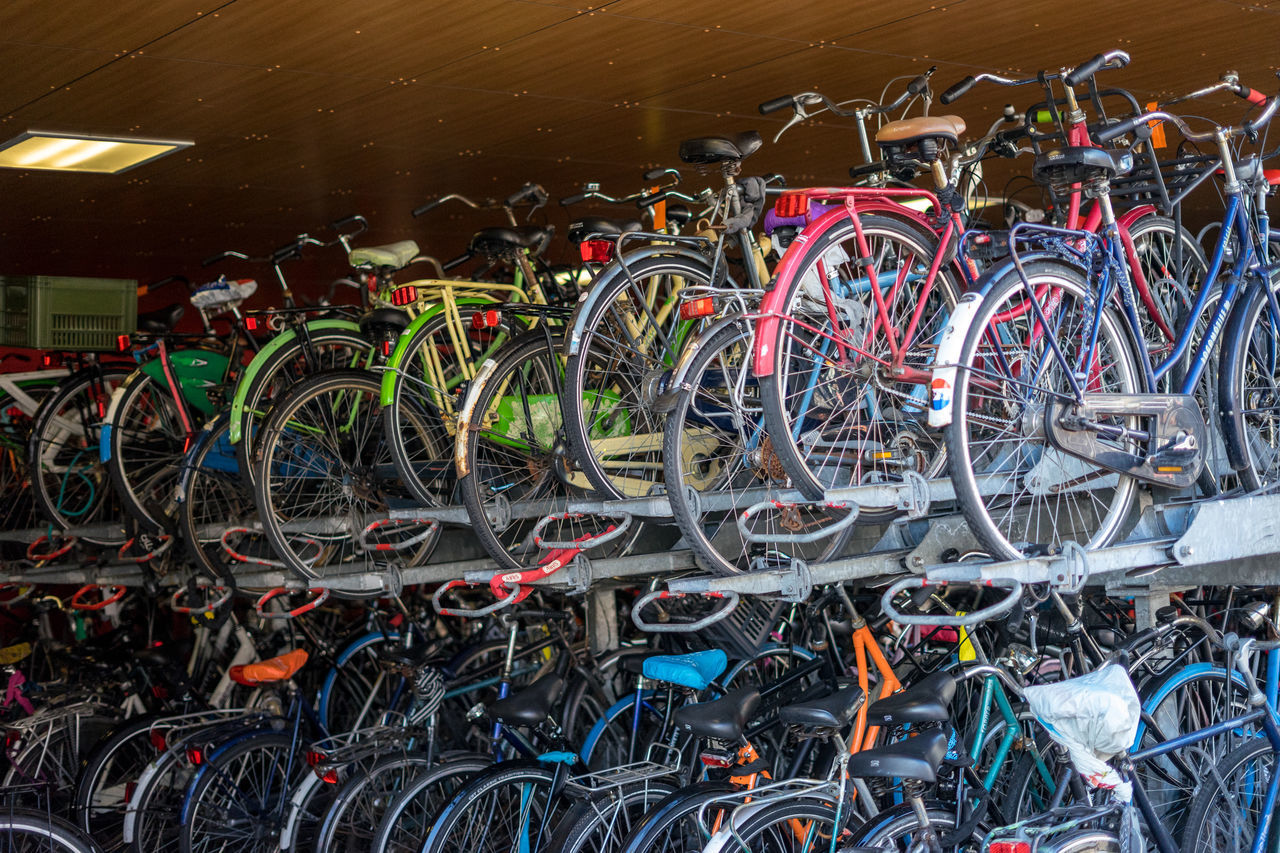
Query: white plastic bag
1095,716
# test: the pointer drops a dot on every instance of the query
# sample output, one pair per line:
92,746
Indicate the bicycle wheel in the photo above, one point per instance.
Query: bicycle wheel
440,357
16,422
672,825
68,481
50,755
1018,494
238,799
410,815
147,443
717,464
29,831
1231,804
268,379
513,453
784,826
504,808
108,776
898,828
214,497
1249,387
834,414
602,821
357,810
359,687
325,474
630,338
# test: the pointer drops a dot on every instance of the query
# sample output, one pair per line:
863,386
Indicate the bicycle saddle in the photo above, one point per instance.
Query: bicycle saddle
1080,163
720,149
531,705
914,758
501,240
383,321
911,130
723,718
394,255
579,230
161,320
279,668
536,237
829,712
929,701
696,670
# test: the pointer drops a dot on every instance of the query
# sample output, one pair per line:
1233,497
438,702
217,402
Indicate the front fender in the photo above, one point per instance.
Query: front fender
399,354
942,386
692,347
279,342
589,298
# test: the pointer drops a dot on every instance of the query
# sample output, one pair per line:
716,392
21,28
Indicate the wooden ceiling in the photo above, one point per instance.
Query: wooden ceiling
304,111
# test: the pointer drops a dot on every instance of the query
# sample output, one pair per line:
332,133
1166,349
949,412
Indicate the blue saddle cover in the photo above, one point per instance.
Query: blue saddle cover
696,670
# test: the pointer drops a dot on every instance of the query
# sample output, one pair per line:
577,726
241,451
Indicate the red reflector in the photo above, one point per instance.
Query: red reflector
12,737
692,309
386,348
404,295
314,757
195,755
596,251
330,776
158,740
710,759
129,788
1010,847
790,205
160,691
486,319
251,323
48,360
122,343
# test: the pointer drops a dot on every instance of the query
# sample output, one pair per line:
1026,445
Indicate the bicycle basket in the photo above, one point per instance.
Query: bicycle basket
63,313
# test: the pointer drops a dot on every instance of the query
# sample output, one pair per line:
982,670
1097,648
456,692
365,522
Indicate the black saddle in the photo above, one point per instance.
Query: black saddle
161,320
723,718
580,228
929,701
720,149
830,712
502,240
1079,164
913,758
383,322
531,705
536,237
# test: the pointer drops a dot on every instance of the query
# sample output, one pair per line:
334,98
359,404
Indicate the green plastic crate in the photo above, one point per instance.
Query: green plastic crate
64,313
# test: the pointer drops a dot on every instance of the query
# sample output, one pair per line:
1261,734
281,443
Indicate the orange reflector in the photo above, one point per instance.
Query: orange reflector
692,309
1169,469
596,251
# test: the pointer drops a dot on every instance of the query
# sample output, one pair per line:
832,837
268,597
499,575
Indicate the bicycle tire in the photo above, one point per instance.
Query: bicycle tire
323,349
606,415
601,822
324,470
100,797
221,814
357,810
1230,801
996,516
895,826
410,816
54,454
712,446
1247,386
44,832
471,821
214,497
672,823
801,402
783,826
147,444
424,459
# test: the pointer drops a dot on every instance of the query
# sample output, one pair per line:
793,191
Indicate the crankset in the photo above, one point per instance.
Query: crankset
1172,435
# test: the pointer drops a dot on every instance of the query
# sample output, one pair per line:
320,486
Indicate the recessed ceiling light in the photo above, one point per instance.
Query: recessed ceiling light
68,152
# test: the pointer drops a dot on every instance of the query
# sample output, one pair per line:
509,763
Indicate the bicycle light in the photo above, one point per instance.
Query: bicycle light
195,755
1009,847
158,740
122,342
789,205
596,251
692,309
486,319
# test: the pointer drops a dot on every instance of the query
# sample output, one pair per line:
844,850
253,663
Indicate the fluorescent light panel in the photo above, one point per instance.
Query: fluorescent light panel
67,152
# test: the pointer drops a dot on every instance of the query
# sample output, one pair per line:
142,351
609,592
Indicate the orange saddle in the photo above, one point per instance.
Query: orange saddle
279,668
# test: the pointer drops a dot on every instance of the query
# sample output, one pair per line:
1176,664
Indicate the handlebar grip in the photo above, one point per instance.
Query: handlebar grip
1253,96
779,103
957,90
347,220
919,84
650,200
431,205
573,199
457,262
659,172
868,169
1084,70
529,192
213,259
284,253
1118,129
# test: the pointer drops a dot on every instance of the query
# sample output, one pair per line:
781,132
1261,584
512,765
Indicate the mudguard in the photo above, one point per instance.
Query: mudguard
279,342
589,298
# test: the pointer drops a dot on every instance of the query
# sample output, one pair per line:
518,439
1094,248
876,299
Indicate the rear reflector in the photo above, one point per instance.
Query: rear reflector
692,309
596,251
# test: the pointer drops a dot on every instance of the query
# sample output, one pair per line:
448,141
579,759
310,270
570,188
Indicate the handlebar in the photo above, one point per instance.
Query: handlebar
644,198
799,102
144,289
532,194
1082,72
339,224
1228,83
